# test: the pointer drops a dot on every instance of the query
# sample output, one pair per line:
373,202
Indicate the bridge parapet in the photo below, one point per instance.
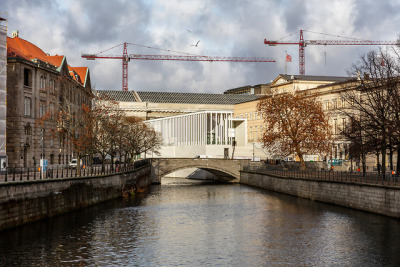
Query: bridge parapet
223,169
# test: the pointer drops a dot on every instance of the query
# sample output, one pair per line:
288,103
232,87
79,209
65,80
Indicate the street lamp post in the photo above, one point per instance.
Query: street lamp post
253,150
42,143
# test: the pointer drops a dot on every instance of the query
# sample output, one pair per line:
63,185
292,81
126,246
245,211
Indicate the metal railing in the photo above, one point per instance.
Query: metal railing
372,178
33,173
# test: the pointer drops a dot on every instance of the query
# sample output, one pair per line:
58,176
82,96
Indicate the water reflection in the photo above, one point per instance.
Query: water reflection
192,223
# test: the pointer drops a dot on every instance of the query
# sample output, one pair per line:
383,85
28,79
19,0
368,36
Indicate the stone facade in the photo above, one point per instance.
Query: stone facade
37,86
29,201
328,90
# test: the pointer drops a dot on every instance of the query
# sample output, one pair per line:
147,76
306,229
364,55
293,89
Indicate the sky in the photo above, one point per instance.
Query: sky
234,28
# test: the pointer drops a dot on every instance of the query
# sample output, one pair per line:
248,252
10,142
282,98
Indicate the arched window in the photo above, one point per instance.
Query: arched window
51,85
28,129
41,82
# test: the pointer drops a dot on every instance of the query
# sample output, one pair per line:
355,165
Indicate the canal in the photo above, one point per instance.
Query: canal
195,223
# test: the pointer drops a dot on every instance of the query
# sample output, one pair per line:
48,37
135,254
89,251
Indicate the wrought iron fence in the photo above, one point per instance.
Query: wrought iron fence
374,178
34,173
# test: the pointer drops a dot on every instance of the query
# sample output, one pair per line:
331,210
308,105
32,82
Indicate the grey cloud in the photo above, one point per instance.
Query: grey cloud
295,14
370,14
105,21
225,28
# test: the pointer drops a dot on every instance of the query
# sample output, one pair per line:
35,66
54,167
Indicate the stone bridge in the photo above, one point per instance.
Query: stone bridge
223,169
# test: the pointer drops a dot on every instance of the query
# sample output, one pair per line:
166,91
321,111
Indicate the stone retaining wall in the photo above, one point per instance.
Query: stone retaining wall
28,201
379,199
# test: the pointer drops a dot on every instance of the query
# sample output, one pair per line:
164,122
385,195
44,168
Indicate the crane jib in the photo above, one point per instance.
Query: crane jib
303,43
126,58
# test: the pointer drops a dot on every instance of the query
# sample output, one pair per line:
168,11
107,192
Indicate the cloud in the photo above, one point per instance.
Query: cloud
224,28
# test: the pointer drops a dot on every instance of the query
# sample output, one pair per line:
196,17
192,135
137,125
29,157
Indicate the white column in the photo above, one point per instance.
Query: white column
179,130
216,128
175,133
226,129
186,129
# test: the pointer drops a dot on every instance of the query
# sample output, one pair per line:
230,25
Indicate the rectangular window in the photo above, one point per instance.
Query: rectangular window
251,133
344,125
327,105
51,110
27,106
27,77
335,126
52,86
42,83
42,108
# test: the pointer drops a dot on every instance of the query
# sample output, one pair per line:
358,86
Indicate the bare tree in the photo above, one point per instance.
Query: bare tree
373,103
69,119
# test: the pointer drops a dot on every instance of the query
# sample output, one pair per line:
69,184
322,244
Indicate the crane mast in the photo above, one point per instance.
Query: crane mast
303,43
126,58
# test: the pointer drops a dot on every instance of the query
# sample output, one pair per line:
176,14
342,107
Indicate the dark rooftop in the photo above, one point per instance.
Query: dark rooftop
181,98
316,78
119,96
195,98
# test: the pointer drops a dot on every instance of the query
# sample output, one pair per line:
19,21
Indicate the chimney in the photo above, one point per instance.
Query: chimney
15,34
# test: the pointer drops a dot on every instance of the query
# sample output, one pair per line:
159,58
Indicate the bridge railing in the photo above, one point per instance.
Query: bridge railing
373,178
34,173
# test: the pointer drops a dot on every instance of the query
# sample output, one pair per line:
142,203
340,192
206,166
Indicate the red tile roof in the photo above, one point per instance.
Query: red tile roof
22,48
55,60
18,47
82,72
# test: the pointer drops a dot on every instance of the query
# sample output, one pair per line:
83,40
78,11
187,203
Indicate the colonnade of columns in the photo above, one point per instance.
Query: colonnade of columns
200,128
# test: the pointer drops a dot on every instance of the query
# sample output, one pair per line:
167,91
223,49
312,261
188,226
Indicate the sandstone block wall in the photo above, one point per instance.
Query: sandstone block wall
379,199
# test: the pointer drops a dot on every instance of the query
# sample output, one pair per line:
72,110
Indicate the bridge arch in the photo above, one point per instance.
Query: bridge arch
223,169
215,171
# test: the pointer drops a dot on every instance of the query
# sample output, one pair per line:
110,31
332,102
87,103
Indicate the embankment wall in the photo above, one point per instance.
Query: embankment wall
28,201
379,199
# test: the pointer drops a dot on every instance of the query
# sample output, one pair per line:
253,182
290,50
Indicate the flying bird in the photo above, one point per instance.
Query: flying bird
196,43
189,31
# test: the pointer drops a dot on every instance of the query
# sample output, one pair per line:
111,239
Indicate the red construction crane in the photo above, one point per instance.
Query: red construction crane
302,45
126,58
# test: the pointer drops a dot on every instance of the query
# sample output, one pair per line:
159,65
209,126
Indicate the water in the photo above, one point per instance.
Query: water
192,223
